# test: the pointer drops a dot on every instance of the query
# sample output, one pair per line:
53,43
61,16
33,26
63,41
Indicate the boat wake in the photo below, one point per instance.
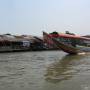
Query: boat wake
81,53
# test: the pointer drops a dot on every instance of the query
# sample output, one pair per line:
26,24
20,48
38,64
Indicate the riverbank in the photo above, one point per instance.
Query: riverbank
18,43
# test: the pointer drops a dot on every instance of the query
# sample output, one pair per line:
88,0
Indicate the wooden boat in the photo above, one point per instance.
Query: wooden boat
76,45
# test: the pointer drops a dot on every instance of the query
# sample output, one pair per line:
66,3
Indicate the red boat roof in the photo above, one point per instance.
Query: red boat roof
69,36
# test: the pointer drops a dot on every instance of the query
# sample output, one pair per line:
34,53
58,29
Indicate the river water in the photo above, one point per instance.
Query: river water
45,70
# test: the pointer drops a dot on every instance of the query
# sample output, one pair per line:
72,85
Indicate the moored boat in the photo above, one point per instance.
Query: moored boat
71,44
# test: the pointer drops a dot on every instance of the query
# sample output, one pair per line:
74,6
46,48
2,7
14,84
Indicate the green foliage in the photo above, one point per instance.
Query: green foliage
67,32
54,32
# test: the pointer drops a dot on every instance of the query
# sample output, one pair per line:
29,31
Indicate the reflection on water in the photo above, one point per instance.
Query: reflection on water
45,70
65,68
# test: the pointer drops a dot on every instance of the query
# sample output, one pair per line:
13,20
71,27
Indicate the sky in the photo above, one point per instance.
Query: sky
34,16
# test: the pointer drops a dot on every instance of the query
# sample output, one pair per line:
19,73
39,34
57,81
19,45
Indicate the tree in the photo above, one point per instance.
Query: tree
67,32
54,32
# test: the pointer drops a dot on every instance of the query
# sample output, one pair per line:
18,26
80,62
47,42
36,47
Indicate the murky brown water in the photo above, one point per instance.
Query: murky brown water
45,70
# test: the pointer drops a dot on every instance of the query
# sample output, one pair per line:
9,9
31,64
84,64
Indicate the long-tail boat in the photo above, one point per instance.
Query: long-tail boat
71,44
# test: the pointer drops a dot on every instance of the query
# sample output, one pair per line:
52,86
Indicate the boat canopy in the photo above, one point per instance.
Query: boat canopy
69,36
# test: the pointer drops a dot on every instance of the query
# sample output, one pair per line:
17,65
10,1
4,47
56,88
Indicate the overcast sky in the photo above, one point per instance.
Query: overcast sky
35,16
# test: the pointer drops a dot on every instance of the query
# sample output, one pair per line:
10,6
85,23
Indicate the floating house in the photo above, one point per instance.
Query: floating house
19,43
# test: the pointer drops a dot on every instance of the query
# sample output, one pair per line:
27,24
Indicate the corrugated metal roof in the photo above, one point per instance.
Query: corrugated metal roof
15,38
